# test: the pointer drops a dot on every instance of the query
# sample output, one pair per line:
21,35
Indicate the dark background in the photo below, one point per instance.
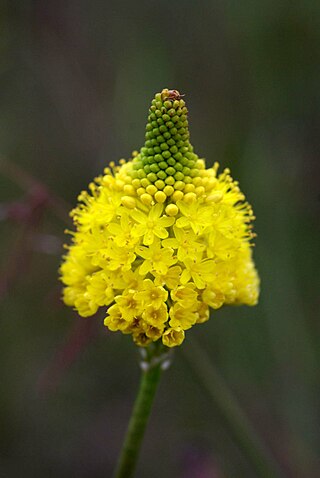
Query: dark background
76,79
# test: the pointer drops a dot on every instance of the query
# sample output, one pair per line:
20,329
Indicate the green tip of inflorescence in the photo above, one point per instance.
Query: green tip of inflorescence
166,162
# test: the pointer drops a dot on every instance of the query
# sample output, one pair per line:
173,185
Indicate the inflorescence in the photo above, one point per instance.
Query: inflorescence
160,239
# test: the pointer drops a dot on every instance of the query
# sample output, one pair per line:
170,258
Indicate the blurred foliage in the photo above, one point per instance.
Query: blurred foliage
76,80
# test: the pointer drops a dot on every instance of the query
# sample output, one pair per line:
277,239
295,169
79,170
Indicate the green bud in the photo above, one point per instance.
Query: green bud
170,181
163,165
152,177
161,175
179,176
167,156
170,171
154,167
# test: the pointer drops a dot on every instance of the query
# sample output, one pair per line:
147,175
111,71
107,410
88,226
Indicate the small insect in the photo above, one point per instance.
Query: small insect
174,95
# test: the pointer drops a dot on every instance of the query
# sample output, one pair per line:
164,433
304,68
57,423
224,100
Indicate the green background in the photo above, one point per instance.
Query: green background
76,80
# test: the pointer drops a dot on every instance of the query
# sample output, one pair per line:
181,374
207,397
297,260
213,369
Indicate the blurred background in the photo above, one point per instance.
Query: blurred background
76,80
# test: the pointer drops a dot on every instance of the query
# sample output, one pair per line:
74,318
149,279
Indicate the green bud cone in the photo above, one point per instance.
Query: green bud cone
167,157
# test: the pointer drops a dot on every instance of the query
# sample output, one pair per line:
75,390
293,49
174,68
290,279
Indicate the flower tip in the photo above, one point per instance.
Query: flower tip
167,94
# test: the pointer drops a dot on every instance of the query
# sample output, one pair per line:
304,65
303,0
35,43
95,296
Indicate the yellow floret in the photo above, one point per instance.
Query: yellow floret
156,316
152,294
182,317
173,337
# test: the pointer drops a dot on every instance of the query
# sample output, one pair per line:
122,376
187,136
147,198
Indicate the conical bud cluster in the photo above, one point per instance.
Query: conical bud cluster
166,163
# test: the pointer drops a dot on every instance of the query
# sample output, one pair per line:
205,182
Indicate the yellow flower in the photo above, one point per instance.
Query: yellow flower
120,257
153,224
84,305
186,296
155,316
195,215
202,312
171,278
182,317
152,294
157,259
173,337
186,243
130,306
122,232
115,321
214,298
160,238
141,339
200,271
152,332
99,288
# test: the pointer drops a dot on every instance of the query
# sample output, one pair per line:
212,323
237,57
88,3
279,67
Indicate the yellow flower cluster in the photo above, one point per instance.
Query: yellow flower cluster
160,239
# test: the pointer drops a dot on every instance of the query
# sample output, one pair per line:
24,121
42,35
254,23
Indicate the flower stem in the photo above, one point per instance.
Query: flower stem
236,421
152,368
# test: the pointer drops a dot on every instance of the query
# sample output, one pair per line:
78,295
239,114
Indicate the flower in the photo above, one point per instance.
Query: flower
157,259
153,224
156,316
152,294
182,317
160,238
186,296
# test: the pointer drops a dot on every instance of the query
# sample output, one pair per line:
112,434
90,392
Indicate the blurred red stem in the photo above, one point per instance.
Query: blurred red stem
82,332
28,183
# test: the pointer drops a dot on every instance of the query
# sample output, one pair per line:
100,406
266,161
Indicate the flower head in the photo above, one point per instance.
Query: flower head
160,239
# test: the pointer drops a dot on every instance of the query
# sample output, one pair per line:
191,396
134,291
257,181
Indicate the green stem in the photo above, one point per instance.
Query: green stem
236,421
139,418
